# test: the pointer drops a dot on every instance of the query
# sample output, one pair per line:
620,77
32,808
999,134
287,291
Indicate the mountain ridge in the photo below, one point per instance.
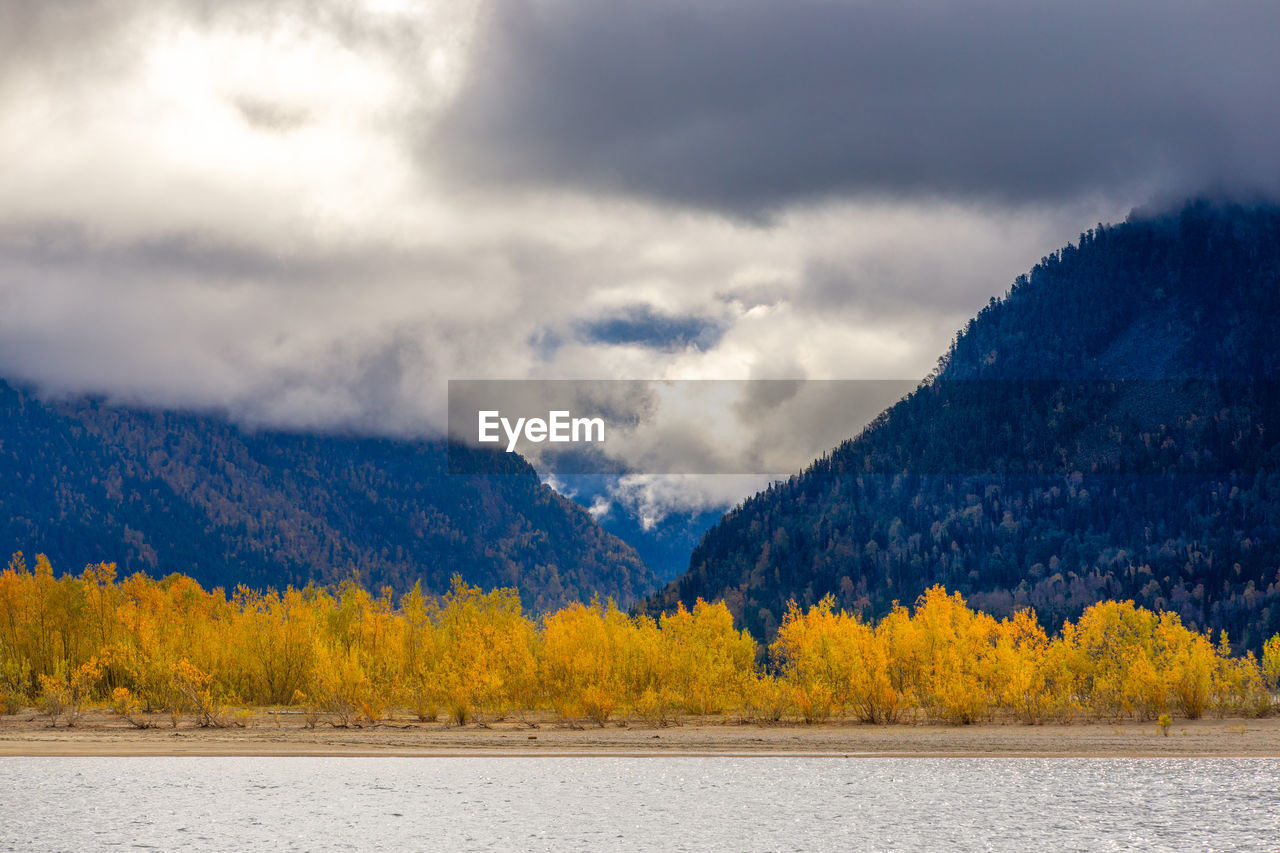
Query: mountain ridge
164,491
1107,429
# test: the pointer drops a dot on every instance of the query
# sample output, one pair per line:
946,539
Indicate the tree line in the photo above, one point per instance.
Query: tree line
156,649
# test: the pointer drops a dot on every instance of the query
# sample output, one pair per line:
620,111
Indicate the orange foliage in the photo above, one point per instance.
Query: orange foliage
349,657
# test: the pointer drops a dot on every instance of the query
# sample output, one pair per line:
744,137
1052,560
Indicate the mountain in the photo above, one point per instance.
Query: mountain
1106,430
663,543
163,491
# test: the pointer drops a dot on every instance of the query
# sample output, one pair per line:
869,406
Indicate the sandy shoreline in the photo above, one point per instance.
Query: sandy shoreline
106,735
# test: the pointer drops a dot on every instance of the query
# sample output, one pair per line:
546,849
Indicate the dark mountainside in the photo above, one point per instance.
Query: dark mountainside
168,492
663,546
1109,429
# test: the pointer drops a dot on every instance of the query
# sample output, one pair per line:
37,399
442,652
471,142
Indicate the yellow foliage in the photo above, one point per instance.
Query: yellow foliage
833,660
1271,663
190,686
486,664
580,661
352,657
707,657
1031,673
954,648
766,699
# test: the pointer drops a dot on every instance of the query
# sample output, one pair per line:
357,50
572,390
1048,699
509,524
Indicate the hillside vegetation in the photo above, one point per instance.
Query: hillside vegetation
1107,430
163,491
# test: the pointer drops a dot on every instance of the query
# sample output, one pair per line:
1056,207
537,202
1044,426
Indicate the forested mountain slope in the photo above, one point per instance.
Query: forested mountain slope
168,492
1108,429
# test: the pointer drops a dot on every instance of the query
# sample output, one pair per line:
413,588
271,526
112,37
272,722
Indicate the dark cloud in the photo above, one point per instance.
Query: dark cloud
750,105
641,325
62,249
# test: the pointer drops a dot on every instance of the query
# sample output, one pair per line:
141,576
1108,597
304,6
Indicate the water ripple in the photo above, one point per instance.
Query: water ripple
696,804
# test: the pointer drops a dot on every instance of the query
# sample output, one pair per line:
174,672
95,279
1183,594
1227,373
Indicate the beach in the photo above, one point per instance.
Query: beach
284,734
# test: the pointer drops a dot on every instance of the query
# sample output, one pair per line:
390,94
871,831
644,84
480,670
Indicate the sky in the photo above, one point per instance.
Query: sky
313,214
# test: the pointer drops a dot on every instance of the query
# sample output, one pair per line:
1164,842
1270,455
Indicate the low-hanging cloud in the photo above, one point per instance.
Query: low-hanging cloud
747,106
313,213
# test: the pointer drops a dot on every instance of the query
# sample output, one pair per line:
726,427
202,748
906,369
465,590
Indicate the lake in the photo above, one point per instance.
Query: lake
611,803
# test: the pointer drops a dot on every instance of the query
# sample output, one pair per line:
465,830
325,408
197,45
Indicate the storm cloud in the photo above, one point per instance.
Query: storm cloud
747,106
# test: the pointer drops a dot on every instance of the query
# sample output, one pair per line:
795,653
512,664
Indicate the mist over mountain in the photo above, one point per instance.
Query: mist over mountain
664,545
1108,429
163,491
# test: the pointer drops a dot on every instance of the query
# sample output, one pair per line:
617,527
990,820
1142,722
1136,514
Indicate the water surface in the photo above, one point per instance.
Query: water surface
611,803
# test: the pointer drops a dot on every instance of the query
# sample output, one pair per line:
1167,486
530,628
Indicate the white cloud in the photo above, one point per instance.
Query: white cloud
652,497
